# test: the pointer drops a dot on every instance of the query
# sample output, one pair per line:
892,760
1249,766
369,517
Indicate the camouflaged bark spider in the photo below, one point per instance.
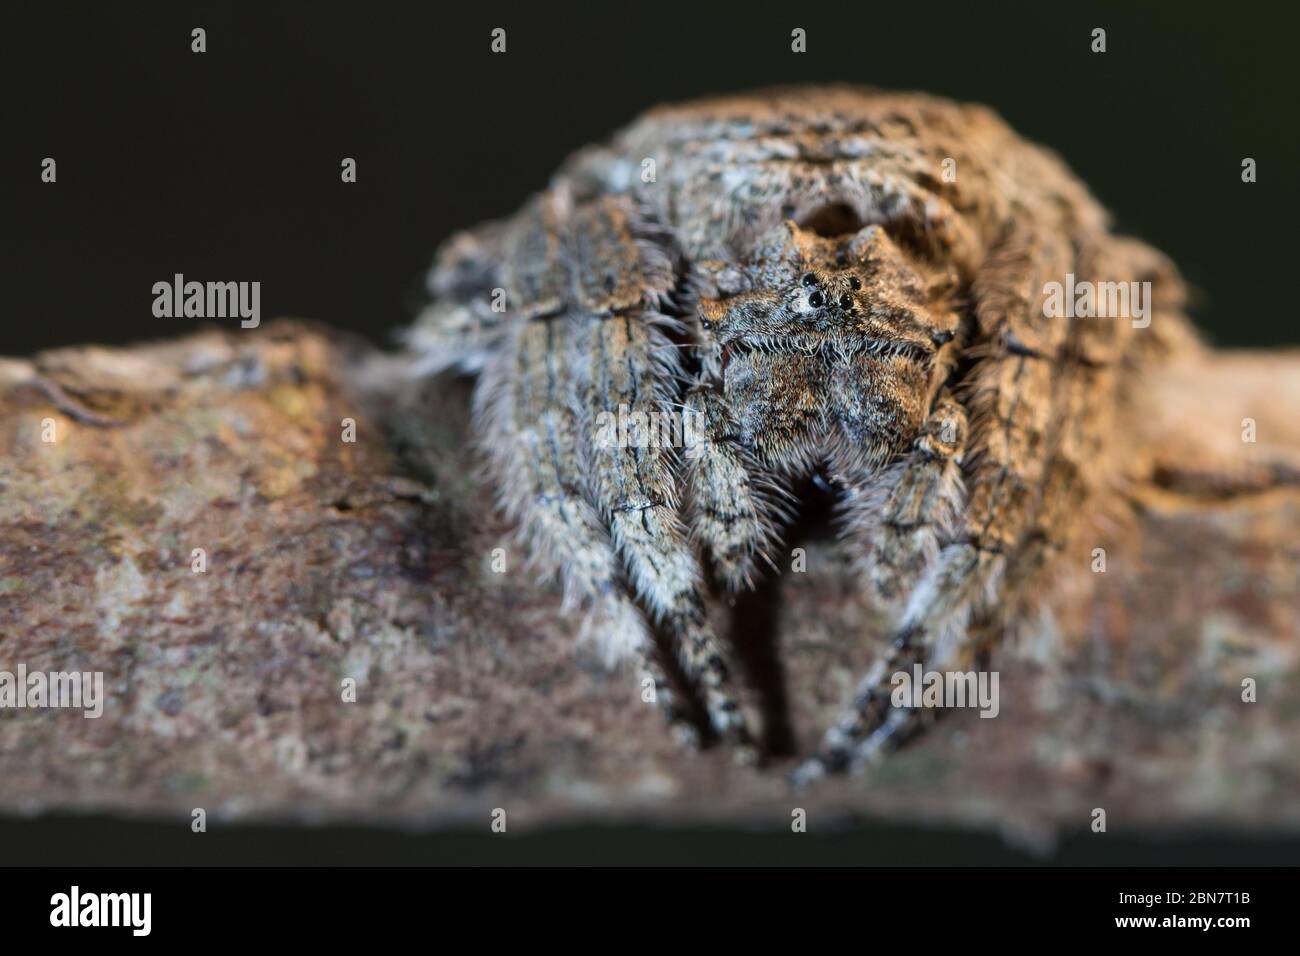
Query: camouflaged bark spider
832,282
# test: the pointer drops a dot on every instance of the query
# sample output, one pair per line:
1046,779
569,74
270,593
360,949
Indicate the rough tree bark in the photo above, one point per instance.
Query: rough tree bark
328,559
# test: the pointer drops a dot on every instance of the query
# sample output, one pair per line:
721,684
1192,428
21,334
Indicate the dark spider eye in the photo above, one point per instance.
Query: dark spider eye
846,301
809,279
855,283
816,300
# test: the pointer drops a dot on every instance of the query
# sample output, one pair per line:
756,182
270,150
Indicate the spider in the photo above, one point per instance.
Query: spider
832,284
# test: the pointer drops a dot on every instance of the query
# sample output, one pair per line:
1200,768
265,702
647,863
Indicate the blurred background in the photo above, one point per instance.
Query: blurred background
225,165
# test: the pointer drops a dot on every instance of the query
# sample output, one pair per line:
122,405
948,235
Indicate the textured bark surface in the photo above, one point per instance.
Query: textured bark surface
371,559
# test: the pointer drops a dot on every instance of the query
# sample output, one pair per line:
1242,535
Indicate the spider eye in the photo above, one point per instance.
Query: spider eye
846,301
816,300
855,283
809,279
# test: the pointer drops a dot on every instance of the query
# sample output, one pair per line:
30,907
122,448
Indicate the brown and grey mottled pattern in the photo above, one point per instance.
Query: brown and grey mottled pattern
832,280
372,560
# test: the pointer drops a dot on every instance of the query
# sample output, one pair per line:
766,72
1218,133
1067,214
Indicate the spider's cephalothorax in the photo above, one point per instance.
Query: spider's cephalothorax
822,282
831,355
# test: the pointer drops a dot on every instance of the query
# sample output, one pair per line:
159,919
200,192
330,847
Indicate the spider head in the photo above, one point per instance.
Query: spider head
802,291
828,334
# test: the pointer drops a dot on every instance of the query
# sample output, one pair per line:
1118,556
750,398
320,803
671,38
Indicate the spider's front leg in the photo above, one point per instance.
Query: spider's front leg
623,364
584,343
896,524
1014,407
735,515
533,441
634,489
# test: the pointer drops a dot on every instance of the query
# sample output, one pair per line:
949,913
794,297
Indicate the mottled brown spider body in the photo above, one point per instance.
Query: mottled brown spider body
825,283
834,356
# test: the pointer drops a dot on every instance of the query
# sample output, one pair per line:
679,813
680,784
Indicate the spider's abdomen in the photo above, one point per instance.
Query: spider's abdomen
833,160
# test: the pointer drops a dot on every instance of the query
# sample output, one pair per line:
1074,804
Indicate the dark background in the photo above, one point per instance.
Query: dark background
225,165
